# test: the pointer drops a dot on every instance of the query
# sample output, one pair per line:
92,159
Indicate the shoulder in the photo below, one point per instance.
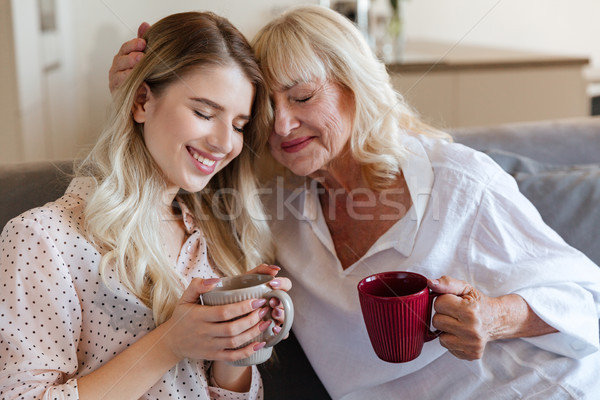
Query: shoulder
63,216
462,169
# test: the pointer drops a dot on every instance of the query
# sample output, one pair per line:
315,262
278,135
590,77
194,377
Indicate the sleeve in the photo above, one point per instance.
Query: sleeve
40,316
255,392
512,250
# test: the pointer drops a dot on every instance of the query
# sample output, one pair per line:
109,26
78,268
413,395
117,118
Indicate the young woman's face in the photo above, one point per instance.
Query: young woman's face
313,123
195,127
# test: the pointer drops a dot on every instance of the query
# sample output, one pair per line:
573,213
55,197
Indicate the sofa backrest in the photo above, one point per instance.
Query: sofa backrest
27,185
561,142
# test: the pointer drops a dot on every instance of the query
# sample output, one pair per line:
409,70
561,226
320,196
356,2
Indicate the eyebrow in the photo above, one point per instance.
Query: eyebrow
216,106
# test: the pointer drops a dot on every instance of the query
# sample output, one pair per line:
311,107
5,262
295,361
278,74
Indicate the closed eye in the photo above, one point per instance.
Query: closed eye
203,116
304,99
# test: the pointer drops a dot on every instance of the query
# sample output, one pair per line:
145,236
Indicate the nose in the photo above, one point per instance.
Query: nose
285,120
221,139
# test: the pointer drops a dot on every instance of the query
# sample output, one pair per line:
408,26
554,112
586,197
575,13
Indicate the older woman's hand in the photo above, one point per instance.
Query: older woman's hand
469,319
465,315
129,55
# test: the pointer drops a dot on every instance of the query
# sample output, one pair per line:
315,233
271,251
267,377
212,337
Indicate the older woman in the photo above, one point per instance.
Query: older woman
374,189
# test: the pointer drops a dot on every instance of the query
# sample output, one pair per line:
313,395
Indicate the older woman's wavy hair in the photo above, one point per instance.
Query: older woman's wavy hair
124,213
313,42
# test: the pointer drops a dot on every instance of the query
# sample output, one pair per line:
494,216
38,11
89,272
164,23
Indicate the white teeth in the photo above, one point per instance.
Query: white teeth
206,161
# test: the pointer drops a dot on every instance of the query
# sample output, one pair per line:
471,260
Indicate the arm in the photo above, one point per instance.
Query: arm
469,319
527,279
194,331
40,289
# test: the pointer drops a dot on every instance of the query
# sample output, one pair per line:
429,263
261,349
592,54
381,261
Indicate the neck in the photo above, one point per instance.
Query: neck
167,204
344,173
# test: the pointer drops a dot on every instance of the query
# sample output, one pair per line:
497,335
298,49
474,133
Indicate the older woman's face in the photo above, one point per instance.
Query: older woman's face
313,123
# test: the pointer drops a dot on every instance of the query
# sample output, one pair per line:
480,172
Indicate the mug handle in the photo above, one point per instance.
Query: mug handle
288,309
429,335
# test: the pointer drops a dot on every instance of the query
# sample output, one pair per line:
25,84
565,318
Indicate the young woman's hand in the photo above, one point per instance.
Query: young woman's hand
278,283
212,332
129,55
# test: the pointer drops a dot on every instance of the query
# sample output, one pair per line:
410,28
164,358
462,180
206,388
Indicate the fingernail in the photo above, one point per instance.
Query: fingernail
259,346
435,281
277,313
275,283
264,325
274,267
211,281
258,303
263,312
274,302
276,329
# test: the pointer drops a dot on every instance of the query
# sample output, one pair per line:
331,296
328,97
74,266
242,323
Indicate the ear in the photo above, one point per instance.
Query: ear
140,102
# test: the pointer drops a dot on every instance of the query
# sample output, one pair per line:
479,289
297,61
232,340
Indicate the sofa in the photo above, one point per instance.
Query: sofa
556,164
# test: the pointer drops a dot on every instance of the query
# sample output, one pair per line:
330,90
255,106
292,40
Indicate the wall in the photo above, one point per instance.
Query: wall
102,26
10,136
66,108
554,26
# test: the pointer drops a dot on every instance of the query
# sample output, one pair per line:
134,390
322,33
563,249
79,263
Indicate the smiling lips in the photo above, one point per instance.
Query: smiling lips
202,161
293,146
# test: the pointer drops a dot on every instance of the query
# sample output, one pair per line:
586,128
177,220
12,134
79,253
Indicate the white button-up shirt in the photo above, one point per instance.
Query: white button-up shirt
468,221
59,321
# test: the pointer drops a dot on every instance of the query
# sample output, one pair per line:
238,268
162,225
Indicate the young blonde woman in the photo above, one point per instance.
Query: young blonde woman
100,288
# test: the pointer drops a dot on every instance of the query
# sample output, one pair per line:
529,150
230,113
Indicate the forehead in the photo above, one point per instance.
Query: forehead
225,85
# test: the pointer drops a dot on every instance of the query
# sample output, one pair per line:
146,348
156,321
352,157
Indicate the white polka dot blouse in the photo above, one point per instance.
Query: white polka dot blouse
60,321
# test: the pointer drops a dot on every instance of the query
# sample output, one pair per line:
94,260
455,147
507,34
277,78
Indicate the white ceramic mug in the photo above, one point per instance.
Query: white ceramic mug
253,286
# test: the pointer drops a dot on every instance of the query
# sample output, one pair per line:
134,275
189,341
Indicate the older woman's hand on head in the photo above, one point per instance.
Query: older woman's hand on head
469,319
129,55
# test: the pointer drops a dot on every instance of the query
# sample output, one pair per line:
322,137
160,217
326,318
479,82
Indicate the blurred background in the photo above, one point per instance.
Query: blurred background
56,55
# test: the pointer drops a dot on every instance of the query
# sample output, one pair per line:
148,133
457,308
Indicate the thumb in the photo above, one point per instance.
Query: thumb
449,285
196,287
143,28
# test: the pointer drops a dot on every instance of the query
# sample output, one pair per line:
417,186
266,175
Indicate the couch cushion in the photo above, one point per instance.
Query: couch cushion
28,185
567,197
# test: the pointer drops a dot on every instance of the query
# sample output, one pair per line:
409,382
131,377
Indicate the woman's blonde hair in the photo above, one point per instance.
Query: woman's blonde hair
123,215
312,42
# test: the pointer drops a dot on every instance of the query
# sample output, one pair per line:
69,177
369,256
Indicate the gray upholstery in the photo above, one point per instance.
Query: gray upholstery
28,185
563,142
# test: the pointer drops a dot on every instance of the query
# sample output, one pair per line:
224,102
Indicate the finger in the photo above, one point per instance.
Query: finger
278,314
277,329
126,61
245,336
196,287
265,269
238,354
446,323
118,78
133,45
449,285
228,312
281,284
241,326
143,28
274,302
448,304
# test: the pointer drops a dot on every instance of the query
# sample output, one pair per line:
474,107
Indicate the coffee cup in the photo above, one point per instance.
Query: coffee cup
396,308
253,286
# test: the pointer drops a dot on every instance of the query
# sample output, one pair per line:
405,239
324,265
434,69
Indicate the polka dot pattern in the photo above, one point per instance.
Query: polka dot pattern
60,321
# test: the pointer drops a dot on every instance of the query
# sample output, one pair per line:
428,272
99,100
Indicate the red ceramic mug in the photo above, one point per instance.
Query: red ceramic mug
396,307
